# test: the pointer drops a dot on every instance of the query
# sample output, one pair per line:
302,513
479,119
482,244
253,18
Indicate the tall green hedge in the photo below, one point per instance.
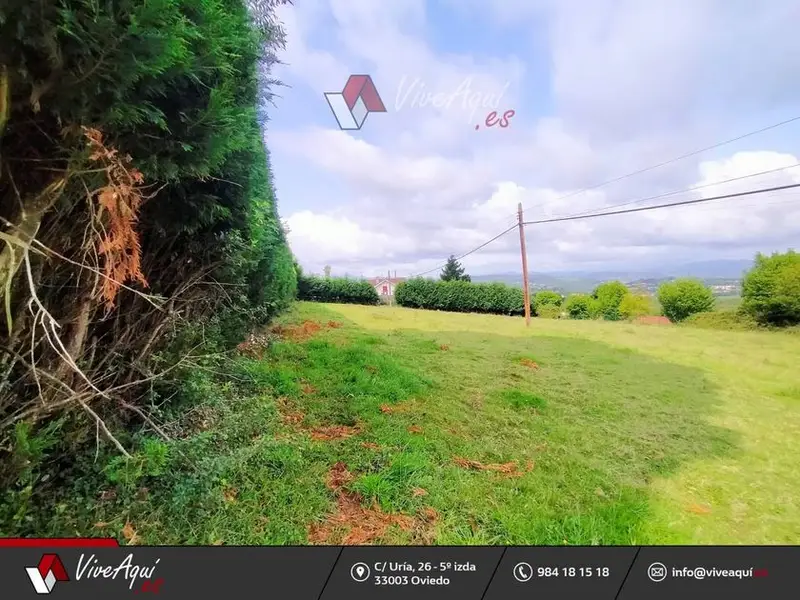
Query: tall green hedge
173,91
336,289
460,296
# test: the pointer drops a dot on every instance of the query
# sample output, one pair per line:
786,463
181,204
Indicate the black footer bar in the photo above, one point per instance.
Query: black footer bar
418,573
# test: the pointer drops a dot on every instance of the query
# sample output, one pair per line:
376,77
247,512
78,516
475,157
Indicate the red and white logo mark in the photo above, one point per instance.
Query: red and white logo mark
50,570
352,105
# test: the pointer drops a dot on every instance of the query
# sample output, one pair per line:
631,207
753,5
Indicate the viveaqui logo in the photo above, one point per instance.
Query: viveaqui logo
47,573
352,105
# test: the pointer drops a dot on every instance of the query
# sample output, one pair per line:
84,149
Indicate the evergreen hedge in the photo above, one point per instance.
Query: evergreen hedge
460,296
132,145
336,289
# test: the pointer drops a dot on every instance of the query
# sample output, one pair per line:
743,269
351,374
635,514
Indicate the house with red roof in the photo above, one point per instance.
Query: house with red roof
385,286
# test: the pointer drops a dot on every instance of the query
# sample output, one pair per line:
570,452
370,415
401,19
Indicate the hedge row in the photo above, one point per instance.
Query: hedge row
460,296
336,289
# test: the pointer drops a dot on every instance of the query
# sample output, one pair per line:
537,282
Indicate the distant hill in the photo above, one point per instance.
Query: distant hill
711,271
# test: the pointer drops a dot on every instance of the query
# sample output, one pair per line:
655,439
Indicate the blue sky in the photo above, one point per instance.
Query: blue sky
599,89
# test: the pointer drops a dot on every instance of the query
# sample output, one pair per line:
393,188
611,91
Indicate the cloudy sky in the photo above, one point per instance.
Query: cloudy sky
599,89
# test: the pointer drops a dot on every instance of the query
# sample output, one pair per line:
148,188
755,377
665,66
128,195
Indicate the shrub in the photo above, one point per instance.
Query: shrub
635,305
684,297
721,319
546,298
548,311
581,306
609,296
336,289
460,296
771,290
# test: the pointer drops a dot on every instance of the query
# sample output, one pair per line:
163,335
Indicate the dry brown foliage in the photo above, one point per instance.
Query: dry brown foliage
389,409
527,362
354,524
333,432
509,469
120,200
297,333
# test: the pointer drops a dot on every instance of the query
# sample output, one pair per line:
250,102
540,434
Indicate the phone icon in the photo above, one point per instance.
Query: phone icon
523,572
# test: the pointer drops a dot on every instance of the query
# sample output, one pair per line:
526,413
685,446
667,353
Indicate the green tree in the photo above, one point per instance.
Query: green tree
771,289
546,298
609,296
453,271
634,305
580,306
684,297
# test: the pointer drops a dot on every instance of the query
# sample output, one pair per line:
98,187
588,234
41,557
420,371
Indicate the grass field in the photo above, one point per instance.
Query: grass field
389,425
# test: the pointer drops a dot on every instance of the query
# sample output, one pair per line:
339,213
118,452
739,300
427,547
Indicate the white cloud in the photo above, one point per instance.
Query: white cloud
632,84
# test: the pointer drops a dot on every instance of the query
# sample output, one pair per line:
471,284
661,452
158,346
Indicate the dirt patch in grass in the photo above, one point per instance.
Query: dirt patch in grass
651,320
353,524
444,347
293,417
415,429
338,477
527,362
333,432
297,333
698,509
509,469
304,331
389,409
308,389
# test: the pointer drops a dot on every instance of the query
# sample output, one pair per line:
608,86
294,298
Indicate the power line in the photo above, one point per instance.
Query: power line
672,160
633,210
645,208
692,189
498,236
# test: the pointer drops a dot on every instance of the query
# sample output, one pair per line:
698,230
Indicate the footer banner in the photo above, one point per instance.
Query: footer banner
88,569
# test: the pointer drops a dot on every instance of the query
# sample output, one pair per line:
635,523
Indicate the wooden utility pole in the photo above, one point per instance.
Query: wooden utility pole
526,291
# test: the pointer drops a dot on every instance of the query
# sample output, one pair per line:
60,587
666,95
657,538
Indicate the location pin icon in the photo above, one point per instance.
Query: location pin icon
360,571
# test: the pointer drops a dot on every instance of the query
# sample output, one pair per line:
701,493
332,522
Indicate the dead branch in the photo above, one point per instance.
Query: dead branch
146,419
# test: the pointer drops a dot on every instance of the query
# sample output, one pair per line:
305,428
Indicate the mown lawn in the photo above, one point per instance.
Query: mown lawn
389,425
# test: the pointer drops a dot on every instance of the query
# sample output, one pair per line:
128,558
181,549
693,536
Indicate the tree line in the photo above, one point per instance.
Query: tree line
770,293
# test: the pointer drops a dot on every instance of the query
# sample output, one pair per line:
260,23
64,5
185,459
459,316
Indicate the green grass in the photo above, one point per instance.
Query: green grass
727,302
636,434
